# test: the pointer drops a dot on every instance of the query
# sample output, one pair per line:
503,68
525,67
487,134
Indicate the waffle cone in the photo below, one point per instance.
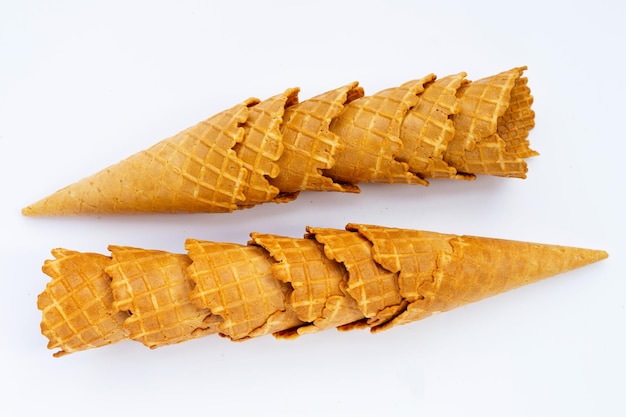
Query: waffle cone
153,287
77,304
272,150
518,120
363,276
309,145
194,171
262,147
236,283
428,128
370,129
485,109
440,272
374,288
319,294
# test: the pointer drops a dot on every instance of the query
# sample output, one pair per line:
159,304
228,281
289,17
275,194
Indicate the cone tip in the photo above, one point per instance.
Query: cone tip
28,211
584,257
38,209
601,254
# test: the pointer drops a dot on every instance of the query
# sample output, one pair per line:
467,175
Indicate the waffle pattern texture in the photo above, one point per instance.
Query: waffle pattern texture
271,150
363,276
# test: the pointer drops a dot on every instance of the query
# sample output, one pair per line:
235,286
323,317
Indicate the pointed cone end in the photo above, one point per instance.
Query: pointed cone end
42,208
55,204
530,262
589,256
29,211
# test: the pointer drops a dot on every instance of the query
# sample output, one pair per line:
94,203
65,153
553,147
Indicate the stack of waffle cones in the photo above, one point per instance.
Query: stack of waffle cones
271,150
363,276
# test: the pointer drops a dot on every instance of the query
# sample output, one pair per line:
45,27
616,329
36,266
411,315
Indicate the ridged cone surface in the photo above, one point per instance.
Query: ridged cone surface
77,304
195,171
262,147
370,129
374,288
428,128
272,150
476,147
236,282
363,276
310,146
518,120
154,288
319,295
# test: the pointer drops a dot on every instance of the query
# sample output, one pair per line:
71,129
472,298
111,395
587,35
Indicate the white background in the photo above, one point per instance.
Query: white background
83,85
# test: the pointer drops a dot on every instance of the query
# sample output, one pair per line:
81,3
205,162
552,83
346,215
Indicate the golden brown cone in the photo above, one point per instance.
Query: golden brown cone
517,120
410,253
374,288
309,145
262,146
319,296
276,284
236,283
153,287
440,272
77,311
270,151
370,128
489,157
428,128
476,147
194,171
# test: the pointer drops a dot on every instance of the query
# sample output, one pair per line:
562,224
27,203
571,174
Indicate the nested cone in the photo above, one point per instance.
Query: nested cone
428,128
518,120
440,272
194,171
374,288
362,276
153,287
370,129
77,304
236,283
319,296
309,145
485,105
262,147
